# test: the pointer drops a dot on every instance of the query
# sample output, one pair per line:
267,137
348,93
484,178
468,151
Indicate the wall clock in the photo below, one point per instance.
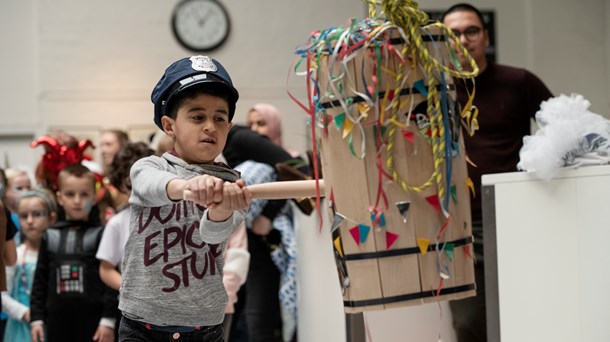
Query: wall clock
200,25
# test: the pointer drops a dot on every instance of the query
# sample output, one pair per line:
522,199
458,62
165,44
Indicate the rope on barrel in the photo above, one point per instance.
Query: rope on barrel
406,15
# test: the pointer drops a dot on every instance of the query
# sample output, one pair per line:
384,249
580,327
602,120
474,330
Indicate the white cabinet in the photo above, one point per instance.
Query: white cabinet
547,259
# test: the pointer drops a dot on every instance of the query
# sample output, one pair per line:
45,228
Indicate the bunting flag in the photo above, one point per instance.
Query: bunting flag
433,201
363,109
449,250
337,219
408,135
364,232
403,209
470,185
337,243
348,125
419,85
355,234
339,120
453,191
390,238
423,245
378,218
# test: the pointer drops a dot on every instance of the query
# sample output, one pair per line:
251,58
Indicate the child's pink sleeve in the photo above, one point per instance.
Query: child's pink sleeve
237,263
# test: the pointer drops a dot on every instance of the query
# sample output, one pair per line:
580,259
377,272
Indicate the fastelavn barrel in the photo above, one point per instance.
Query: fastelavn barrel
394,165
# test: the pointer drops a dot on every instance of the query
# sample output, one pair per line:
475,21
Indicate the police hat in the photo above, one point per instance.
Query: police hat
188,72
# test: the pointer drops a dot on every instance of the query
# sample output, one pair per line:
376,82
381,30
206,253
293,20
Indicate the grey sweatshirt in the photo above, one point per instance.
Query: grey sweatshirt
172,269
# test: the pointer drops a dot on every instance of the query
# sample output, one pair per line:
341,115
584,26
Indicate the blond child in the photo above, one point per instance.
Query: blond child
36,210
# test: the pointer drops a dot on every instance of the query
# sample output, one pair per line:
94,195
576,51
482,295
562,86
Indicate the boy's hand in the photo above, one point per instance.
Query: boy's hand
235,197
205,189
38,333
104,334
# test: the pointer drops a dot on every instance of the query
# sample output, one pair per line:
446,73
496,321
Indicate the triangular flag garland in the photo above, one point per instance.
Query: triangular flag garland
347,128
378,218
408,135
470,185
337,244
355,234
390,238
453,191
449,250
433,201
419,85
339,120
360,233
337,219
423,245
403,209
364,232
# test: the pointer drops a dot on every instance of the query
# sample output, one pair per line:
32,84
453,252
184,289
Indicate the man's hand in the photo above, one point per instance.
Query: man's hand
104,334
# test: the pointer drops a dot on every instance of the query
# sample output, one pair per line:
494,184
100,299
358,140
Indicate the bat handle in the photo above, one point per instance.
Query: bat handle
280,190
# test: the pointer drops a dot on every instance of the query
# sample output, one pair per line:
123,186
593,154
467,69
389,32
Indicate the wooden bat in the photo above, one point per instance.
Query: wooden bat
280,190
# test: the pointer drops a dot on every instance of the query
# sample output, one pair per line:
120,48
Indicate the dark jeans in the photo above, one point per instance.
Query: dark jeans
131,331
469,315
262,293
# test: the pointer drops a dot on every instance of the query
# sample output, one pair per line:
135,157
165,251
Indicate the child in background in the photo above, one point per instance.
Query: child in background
37,211
17,182
111,250
68,297
172,277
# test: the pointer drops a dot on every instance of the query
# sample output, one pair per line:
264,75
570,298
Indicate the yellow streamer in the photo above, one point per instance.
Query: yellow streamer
406,15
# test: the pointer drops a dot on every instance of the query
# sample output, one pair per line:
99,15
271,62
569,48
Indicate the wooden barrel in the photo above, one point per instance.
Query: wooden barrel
396,241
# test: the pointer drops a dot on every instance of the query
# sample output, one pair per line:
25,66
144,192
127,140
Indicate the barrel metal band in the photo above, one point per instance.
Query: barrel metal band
405,251
408,296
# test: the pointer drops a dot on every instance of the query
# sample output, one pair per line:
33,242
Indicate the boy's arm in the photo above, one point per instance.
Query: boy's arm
214,232
231,210
149,182
111,307
38,298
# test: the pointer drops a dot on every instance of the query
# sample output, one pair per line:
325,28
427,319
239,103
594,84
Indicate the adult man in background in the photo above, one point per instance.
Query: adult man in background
507,99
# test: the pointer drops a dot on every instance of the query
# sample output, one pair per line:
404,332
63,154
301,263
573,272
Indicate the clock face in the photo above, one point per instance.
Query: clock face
200,25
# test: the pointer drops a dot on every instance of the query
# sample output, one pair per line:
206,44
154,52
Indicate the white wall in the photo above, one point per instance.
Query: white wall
85,65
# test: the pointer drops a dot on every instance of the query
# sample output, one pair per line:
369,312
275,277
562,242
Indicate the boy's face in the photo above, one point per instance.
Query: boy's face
200,129
76,195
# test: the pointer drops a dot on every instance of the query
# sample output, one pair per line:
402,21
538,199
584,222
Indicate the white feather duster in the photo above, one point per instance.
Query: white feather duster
569,135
